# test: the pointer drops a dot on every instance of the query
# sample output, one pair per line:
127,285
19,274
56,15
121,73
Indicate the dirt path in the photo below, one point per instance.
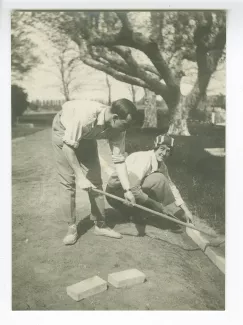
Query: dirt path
42,267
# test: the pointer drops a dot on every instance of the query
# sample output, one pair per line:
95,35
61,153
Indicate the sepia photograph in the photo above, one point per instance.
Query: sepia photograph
118,159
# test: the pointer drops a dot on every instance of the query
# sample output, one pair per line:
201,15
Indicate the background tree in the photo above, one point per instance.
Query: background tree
19,102
118,42
23,58
133,92
109,88
63,62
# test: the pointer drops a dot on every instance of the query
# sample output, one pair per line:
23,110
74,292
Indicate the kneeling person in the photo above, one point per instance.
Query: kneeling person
150,182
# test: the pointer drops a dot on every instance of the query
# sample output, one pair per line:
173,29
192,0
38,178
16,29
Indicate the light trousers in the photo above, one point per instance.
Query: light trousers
87,154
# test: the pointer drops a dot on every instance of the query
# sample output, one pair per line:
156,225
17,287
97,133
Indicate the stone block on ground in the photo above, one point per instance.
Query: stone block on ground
126,278
218,260
86,288
217,152
197,238
211,252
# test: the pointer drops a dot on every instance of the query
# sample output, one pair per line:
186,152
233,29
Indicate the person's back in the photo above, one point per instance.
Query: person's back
86,110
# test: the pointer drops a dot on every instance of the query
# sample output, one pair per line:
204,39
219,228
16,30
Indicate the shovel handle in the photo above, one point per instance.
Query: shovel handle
188,225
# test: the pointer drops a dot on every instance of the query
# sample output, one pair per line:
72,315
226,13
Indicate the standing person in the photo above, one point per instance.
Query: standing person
75,130
150,182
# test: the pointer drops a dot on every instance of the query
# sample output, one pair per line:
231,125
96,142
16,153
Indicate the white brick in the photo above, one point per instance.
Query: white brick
86,288
219,261
202,242
126,278
197,238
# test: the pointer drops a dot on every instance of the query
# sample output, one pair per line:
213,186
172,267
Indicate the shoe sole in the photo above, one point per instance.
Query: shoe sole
70,243
97,234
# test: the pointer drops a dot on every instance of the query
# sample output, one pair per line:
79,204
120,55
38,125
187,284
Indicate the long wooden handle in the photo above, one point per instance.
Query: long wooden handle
189,225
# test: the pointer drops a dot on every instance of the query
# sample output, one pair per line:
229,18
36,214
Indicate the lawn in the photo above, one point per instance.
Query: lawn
23,131
38,119
179,275
40,122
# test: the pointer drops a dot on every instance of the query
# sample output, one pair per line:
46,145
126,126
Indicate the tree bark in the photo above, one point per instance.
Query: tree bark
65,92
179,113
133,91
64,87
150,110
178,119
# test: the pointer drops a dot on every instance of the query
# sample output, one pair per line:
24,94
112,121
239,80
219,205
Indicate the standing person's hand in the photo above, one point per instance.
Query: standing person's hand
130,198
84,184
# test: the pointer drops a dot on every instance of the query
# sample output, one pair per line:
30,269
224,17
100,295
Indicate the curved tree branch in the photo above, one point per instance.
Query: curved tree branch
114,73
128,37
152,81
129,66
115,62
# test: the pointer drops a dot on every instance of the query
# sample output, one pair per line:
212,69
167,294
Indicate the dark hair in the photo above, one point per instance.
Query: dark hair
123,107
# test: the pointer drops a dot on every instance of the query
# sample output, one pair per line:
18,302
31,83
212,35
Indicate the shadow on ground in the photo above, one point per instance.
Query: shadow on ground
84,226
114,217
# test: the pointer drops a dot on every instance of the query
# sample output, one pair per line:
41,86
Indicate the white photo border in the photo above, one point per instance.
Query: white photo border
234,178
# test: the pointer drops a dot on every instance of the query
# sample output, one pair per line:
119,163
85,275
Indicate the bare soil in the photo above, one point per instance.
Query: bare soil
179,275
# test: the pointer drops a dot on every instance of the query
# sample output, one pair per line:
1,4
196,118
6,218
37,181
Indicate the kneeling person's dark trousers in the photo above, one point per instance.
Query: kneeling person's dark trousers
153,193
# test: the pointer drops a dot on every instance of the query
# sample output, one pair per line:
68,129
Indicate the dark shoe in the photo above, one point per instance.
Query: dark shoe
180,215
176,228
140,229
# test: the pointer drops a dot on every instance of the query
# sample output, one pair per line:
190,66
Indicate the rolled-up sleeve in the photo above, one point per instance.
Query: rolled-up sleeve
178,199
117,146
73,132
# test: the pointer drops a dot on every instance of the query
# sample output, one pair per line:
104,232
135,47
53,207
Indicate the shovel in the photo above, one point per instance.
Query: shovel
162,215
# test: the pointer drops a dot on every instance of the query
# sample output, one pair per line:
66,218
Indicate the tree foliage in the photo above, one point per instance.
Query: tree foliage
19,102
146,49
22,57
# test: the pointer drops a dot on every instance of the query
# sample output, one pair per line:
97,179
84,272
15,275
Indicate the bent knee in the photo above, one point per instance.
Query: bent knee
154,179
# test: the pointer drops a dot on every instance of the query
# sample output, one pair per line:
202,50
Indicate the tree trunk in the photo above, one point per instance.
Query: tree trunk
66,93
179,113
133,91
64,87
109,89
178,119
150,110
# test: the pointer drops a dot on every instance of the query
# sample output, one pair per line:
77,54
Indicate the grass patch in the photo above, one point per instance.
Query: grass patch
38,119
199,176
22,131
